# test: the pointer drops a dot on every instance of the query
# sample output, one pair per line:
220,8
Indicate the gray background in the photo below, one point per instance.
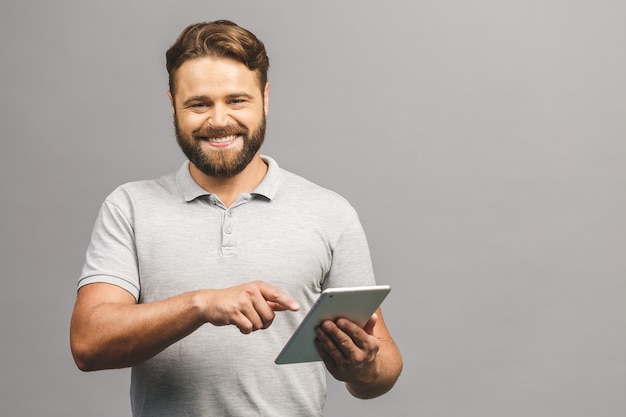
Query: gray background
482,142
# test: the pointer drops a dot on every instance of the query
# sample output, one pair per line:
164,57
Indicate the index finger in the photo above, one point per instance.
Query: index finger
277,299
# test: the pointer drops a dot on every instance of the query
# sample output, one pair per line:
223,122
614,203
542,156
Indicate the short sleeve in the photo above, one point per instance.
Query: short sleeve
351,264
111,255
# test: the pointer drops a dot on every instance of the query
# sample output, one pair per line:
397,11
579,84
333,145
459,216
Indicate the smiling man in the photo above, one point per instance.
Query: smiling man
182,271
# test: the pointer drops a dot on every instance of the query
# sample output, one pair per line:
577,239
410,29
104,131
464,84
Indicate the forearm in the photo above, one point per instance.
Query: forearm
381,375
117,335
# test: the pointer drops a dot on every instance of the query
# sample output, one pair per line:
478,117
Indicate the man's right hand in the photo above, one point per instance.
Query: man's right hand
250,306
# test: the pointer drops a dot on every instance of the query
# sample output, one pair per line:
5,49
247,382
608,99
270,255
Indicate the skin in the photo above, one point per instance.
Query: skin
110,330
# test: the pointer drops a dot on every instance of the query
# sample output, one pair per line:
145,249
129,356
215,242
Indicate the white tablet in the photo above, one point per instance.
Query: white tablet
354,303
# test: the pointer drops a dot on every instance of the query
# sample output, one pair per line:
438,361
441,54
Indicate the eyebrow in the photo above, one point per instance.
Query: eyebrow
231,96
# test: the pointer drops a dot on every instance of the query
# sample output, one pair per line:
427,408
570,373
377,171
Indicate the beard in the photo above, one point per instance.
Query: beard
220,163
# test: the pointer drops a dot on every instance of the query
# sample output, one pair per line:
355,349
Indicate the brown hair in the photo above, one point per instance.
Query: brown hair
219,39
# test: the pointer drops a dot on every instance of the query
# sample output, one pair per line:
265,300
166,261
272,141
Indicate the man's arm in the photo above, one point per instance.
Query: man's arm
366,359
110,330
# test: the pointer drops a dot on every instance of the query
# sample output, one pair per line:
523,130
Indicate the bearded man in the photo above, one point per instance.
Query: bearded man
183,271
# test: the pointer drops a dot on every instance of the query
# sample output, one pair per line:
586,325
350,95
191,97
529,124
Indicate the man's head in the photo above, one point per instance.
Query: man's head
219,96
219,39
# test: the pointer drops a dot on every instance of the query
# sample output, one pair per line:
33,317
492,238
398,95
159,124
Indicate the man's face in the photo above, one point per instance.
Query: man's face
219,114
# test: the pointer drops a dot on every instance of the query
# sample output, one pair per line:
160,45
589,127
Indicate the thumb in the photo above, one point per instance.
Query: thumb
369,326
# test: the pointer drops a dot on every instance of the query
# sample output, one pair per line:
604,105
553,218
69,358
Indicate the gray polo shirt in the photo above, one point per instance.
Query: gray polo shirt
163,237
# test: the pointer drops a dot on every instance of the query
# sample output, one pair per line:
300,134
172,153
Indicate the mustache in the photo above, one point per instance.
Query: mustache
220,132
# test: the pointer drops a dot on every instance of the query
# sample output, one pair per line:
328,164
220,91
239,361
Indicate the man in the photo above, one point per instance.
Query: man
182,271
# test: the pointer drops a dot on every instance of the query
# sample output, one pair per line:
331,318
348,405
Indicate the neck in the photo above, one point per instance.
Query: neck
229,189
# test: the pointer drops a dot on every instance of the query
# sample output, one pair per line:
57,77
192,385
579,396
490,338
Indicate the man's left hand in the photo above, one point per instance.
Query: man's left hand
348,350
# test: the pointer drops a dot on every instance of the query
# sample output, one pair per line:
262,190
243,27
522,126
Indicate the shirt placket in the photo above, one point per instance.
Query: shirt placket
230,226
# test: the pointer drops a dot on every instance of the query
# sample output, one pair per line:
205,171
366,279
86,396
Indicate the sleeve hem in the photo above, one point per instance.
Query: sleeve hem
107,279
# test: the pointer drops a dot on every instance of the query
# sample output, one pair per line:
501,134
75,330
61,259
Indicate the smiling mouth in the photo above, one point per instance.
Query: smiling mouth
224,139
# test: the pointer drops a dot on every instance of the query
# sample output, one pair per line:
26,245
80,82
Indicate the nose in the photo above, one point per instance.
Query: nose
218,116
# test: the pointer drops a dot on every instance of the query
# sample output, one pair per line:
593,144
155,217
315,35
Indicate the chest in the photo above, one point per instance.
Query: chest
210,247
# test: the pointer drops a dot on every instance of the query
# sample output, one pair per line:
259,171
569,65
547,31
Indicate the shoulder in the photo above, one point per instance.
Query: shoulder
150,191
296,185
307,197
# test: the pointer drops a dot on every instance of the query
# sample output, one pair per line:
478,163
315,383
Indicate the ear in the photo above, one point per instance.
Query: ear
169,94
266,93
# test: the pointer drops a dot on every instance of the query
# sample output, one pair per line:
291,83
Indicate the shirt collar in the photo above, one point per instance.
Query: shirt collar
267,188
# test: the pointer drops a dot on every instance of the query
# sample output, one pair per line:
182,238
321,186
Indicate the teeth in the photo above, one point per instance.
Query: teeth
223,140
